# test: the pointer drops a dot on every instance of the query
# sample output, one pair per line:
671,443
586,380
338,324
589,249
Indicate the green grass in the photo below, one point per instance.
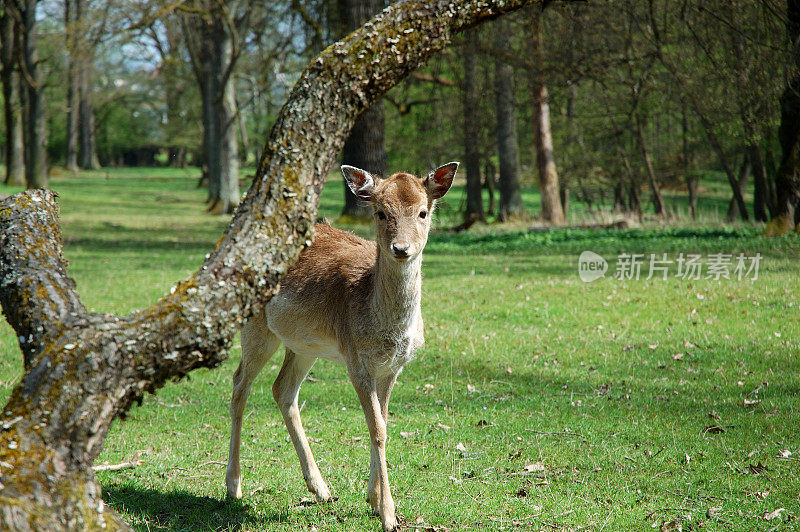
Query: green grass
609,387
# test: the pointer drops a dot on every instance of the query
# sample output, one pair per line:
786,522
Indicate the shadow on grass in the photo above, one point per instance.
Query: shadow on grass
181,510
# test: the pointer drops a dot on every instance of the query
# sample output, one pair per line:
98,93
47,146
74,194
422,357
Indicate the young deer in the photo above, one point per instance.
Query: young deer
351,301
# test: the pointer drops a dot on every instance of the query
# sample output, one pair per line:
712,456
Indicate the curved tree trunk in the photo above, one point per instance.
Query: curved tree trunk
84,370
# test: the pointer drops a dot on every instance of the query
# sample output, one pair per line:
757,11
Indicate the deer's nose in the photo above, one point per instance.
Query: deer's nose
400,250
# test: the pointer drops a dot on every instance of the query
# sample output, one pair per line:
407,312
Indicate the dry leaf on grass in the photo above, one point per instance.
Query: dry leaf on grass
462,451
536,467
774,514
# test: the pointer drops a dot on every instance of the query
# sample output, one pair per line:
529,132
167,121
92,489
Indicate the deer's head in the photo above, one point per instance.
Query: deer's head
402,206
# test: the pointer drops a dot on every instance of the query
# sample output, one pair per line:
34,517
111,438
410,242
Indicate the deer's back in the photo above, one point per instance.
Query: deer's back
323,293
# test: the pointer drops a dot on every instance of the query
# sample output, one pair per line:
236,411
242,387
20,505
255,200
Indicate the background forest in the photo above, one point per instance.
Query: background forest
605,104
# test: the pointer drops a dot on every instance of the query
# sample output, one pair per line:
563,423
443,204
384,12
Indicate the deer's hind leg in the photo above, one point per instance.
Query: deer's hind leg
258,346
285,390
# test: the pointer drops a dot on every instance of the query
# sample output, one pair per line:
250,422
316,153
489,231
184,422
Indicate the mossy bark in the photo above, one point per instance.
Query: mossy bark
83,370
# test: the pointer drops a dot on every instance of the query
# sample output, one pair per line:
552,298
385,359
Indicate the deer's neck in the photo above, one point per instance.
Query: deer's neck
397,292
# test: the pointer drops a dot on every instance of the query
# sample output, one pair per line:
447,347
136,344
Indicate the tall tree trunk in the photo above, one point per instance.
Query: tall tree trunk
619,198
760,192
15,144
211,48
552,210
658,200
84,370
472,161
691,180
36,120
229,152
86,136
787,180
364,147
634,203
489,181
71,30
507,147
573,140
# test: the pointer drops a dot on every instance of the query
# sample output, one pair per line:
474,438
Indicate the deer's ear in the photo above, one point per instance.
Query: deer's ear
361,182
438,182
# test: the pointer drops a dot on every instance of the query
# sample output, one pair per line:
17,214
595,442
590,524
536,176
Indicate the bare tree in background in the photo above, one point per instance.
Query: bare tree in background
35,120
507,146
552,210
213,30
12,104
471,135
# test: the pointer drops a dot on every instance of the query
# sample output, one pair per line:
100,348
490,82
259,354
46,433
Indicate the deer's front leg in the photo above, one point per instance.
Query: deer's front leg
285,391
384,389
367,390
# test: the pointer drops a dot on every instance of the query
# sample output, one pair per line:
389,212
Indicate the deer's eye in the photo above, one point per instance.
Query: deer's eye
423,214
381,215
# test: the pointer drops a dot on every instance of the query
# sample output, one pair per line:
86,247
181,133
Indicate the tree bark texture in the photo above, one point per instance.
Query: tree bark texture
12,105
84,370
364,147
787,180
35,118
507,146
211,46
552,210
472,161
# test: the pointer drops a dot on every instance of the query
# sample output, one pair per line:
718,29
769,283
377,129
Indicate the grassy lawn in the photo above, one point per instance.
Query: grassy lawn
539,402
